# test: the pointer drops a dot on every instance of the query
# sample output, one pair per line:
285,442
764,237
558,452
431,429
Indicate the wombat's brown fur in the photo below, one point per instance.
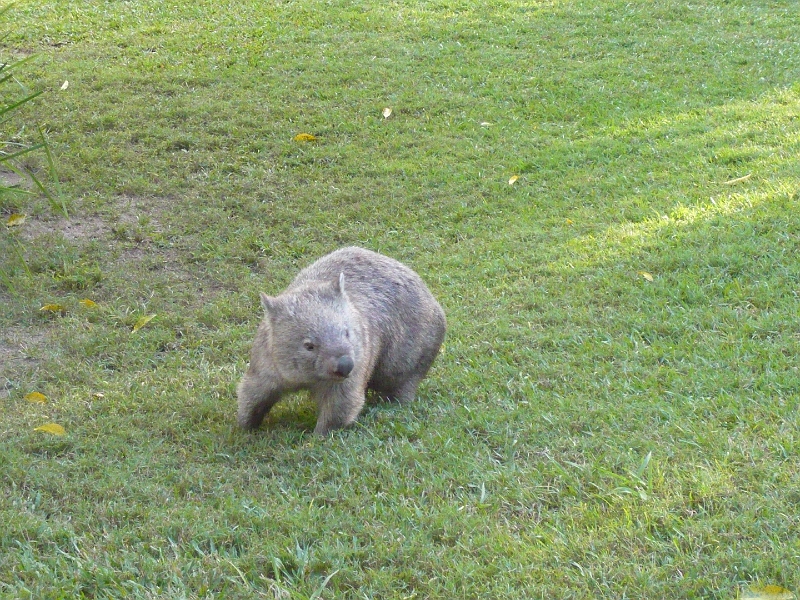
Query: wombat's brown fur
353,320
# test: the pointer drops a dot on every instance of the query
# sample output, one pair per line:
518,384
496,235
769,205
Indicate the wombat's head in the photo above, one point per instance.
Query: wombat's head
312,333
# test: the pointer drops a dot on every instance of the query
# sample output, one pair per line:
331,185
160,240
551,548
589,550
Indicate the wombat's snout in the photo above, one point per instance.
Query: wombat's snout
343,366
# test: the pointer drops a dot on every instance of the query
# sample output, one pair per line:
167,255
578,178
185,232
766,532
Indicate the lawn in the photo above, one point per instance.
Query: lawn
604,195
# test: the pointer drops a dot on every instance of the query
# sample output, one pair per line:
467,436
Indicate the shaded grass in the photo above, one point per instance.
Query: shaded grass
586,432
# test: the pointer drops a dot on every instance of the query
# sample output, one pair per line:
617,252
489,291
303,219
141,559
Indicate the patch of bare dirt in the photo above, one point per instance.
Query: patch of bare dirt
74,229
127,216
16,345
12,179
135,209
132,233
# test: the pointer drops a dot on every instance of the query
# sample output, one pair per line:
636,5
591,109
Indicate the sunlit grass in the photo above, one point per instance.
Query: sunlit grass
588,431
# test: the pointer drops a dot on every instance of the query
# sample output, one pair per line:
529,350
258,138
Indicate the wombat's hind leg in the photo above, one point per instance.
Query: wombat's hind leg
406,391
256,397
337,406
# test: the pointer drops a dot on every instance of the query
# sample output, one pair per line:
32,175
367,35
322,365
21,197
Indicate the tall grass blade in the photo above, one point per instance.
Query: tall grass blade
58,201
5,279
10,157
17,245
318,592
644,464
18,103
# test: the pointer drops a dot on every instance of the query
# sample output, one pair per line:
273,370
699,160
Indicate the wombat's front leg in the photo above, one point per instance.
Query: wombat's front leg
338,405
257,396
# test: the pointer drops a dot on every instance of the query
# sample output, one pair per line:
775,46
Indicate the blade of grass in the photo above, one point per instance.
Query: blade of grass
10,157
17,245
6,280
318,592
58,201
18,103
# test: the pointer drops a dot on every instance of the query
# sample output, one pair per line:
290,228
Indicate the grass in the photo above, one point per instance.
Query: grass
587,432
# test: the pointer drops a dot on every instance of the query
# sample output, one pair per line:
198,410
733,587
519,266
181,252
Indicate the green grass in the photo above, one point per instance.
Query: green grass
586,433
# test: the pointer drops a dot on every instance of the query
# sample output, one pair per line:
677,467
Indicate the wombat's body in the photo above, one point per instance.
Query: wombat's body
353,320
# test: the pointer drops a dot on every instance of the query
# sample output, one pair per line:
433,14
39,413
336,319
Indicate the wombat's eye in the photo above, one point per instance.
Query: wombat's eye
347,333
308,346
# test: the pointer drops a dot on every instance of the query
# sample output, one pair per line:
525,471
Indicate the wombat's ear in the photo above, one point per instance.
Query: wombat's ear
268,304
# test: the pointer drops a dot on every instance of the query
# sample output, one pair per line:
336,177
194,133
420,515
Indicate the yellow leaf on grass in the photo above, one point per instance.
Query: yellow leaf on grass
142,322
513,180
768,592
88,303
37,397
387,112
98,395
304,137
738,179
53,428
64,85
52,308
15,219
646,275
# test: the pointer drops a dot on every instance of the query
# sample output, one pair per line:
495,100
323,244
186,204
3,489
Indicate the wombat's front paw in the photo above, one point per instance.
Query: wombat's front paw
247,422
252,418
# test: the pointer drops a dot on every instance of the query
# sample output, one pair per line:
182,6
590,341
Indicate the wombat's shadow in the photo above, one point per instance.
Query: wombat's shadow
299,413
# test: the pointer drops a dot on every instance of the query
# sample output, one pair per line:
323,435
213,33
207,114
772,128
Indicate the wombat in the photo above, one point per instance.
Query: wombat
353,320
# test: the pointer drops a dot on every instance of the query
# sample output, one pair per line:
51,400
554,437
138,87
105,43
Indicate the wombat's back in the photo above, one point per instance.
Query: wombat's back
373,282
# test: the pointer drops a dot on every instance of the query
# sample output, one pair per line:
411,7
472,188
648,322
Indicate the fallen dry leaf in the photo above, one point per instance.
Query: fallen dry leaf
88,303
387,112
646,275
53,428
142,322
52,308
304,137
36,397
15,220
513,180
738,179
768,592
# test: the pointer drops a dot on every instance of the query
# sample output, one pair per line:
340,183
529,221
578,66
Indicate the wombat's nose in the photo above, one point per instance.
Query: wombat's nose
343,366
